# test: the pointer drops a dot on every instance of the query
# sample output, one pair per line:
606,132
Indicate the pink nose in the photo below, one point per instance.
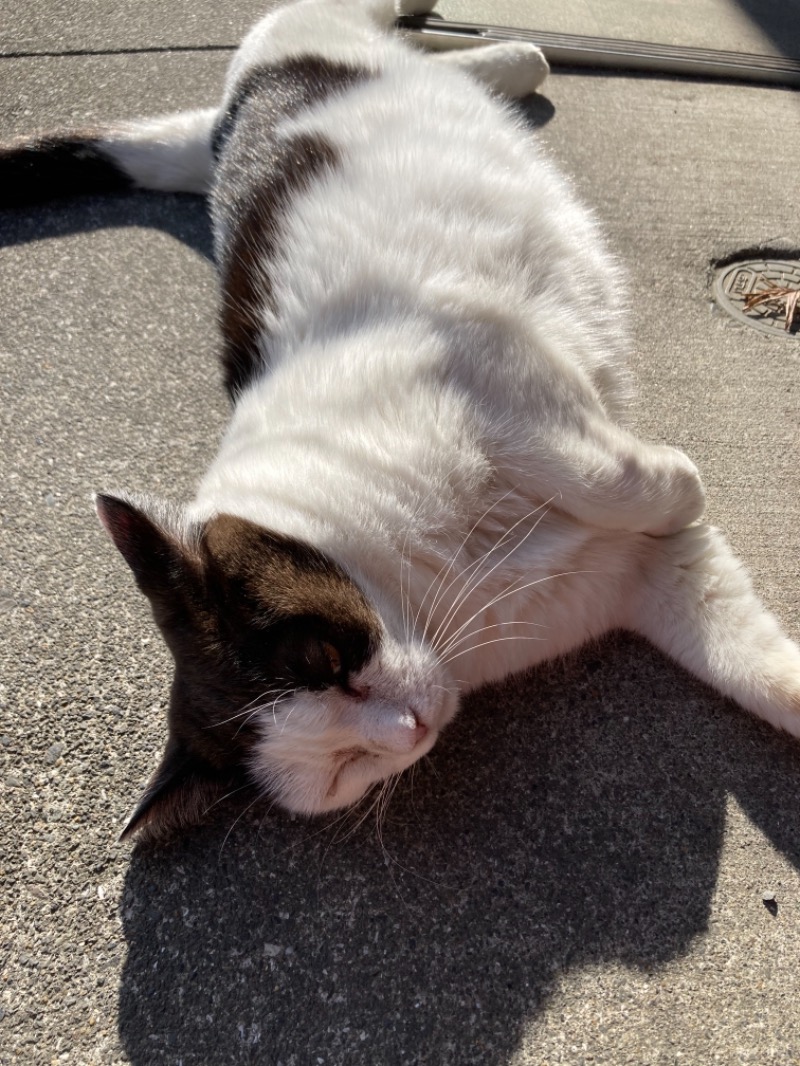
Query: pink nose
417,731
420,732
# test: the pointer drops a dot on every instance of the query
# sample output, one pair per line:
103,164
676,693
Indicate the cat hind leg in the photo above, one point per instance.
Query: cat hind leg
512,68
697,604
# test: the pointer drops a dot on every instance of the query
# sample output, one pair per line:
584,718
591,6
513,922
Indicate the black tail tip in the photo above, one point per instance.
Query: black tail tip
35,170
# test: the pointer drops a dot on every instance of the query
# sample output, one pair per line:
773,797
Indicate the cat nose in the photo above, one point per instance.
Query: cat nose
417,729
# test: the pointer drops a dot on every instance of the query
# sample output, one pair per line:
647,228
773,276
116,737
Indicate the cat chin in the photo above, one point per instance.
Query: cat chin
340,782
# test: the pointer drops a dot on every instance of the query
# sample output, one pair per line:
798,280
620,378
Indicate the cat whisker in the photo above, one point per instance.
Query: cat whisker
375,795
244,710
472,585
448,566
450,689
484,643
267,813
386,793
247,720
288,716
454,642
477,576
429,763
238,818
414,770
328,826
281,699
473,566
343,818
512,590
221,799
405,569
348,813
405,587
264,706
333,828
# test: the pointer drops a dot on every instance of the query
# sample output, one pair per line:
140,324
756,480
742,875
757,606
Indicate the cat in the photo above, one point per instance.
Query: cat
426,483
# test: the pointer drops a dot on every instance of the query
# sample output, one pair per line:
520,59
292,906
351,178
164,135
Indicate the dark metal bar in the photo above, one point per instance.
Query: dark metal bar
564,49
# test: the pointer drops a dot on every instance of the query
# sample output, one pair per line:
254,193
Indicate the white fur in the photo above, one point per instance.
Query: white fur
443,415
513,68
171,153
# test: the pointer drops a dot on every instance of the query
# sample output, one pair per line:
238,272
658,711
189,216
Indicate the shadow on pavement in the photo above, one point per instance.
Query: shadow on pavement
181,215
536,110
779,20
571,818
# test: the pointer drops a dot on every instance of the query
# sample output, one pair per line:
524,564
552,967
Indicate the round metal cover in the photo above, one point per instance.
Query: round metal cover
762,293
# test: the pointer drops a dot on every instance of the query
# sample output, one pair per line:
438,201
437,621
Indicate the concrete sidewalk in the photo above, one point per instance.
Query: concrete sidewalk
576,875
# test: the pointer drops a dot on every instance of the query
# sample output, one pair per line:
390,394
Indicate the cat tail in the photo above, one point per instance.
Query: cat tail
698,605
171,153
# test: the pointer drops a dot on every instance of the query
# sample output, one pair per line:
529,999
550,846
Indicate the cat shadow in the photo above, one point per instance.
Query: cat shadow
536,110
571,818
181,215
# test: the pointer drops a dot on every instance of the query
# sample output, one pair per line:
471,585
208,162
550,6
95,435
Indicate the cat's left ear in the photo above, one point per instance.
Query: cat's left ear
177,795
143,537
155,541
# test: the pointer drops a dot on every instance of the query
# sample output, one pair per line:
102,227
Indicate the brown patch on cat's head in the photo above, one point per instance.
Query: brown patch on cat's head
249,616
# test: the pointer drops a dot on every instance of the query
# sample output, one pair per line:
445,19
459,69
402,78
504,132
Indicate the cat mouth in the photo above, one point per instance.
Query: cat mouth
346,757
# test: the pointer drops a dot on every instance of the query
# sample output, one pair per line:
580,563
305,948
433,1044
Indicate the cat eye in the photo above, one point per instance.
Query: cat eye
320,664
333,657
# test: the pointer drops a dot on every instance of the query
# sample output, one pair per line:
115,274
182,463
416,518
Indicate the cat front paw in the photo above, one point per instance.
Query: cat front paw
683,496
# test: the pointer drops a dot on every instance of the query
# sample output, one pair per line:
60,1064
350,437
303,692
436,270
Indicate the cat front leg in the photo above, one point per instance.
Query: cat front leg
696,603
513,68
605,476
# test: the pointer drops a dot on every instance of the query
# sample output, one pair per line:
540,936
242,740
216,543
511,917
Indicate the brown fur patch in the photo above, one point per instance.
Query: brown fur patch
248,615
258,175
287,576
246,285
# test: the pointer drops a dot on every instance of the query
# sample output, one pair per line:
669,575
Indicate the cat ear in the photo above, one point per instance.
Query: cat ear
177,795
150,537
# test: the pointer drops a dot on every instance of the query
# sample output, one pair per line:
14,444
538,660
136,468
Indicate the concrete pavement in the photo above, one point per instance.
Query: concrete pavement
576,875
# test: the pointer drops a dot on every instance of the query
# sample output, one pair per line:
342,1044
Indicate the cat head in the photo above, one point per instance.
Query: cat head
286,673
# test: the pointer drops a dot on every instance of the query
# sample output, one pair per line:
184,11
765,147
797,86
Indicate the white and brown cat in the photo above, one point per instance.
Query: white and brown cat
426,483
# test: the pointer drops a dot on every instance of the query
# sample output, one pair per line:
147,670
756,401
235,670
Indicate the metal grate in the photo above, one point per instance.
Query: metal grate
762,293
